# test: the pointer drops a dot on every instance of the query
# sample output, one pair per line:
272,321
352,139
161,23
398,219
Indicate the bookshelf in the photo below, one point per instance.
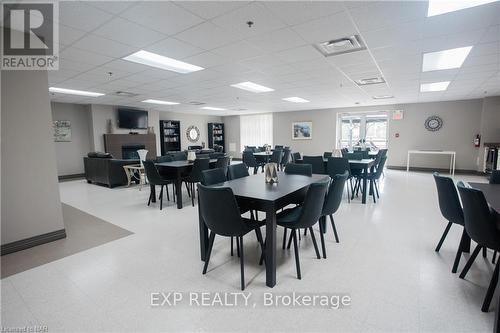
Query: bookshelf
216,135
170,136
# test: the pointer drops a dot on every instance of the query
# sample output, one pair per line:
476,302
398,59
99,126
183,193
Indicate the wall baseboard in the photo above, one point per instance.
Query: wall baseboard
70,177
440,170
24,244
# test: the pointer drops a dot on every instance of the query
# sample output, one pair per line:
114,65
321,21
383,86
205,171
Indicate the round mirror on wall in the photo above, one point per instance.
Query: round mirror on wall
193,133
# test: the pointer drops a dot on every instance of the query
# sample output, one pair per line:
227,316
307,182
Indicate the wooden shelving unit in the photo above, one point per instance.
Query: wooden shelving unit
170,136
216,135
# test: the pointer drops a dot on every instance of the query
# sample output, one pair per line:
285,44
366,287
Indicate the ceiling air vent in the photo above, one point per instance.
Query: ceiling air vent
196,103
341,45
124,94
372,80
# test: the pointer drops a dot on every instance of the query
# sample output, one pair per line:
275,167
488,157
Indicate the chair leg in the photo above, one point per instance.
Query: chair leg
168,195
322,237
314,243
376,189
192,194
258,233
232,246
242,264
348,194
296,250
491,290
448,226
372,192
470,261
150,197
334,229
485,252
284,237
463,240
237,247
494,257
161,198
173,191
290,240
210,245
187,189
305,232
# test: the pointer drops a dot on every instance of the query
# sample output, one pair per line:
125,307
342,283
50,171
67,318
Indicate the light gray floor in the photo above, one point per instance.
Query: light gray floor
385,261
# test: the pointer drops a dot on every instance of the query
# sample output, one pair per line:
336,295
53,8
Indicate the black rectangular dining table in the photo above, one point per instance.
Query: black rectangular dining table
179,168
262,155
491,193
257,194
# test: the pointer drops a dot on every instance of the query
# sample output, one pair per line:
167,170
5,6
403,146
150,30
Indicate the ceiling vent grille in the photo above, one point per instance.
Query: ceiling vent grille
368,81
341,45
125,94
196,103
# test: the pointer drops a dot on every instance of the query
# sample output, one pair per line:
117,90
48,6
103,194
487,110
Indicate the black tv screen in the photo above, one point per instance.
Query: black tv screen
132,119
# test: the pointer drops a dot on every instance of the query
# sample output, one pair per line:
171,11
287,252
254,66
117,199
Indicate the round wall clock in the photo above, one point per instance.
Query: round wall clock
433,123
193,133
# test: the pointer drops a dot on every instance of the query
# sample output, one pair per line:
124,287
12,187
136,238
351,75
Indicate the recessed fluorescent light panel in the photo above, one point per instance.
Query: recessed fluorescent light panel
253,87
368,81
74,92
156,101
447,59
438,7
212,108
296,100
435,86
382,96
159,61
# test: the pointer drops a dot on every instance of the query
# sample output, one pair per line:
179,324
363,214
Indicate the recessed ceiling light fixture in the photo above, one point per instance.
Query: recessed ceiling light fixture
371,80
438,7
157,101
295,100
159,61
434,86
212,108
74,92
382,96
253,87
446,59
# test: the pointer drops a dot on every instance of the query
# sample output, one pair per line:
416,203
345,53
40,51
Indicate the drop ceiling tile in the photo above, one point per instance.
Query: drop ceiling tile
394,35
492,34
124,65
296,12
68,35
198,36
76,14
79,55
210,9
127,32
278,40
78,83
466,38
264,20
104,46
326,28
112,7
162,16
262,62
206,59
174,48
300,53
349,59
238,51
481,60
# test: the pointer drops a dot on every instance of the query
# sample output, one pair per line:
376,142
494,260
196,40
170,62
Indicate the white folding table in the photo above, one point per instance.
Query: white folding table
434,152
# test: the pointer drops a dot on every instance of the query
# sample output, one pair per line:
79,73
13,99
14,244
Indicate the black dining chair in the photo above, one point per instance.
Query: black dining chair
164,159
194,176
222,162
298,169
278,147
327,154
304,217
236,171
495,177
178,156
317,163
251,162
337,166
213,176
220,212
285,158
276,157
215,155
373,177
331,205
296,157
451,209
481,223
154,178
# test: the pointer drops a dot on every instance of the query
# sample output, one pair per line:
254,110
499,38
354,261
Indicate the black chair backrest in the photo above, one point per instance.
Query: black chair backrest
220,211
344,151
335,192
179,156
495,177
286,156
213,176
366,154
380,168
317,163
215,155
152,172
313,205
276,156
222,162
296,156
236,171
199,165
337,166
278,147
163,159
479,220
249,159
354,156
203,156
384,152
327,154
298,169
449,204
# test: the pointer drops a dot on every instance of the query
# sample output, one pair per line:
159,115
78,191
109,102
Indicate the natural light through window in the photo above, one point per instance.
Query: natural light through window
371,127
256,130
438,7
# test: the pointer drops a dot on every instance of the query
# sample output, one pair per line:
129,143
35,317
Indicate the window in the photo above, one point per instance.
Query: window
353,127
256,130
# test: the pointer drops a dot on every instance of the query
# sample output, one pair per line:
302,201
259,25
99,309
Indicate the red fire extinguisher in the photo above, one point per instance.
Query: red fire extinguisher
477,141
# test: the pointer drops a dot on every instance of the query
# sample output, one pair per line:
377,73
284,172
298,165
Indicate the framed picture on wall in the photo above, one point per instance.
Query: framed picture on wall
62,130
302,130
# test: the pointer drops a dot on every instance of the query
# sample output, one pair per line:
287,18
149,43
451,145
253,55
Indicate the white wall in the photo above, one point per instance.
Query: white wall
232,128
70,154
200,121
30,198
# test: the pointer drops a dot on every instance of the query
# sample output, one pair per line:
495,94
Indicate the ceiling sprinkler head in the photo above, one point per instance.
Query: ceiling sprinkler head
249,23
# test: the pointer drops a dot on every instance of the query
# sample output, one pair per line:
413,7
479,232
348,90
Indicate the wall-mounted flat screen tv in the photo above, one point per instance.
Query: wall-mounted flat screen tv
132,119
